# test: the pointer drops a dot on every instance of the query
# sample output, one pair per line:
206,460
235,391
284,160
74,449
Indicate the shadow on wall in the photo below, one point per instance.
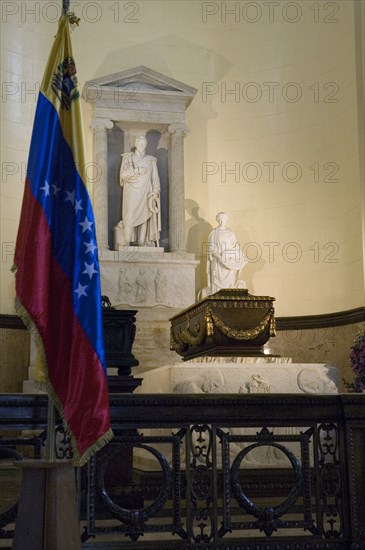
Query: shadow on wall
115,138
197,230
252,251
155,55
160,153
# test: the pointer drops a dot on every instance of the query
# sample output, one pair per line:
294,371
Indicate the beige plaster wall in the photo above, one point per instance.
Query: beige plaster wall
303,238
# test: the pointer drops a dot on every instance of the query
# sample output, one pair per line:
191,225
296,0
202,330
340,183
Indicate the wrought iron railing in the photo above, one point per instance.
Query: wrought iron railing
248,472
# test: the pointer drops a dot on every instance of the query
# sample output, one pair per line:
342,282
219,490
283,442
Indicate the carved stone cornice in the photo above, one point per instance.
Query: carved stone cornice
325,320
178,129
101,124
139,89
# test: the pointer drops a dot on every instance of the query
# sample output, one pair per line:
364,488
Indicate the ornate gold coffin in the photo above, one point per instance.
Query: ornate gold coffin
229,322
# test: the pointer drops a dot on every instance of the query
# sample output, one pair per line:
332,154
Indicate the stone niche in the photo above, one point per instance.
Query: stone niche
158,281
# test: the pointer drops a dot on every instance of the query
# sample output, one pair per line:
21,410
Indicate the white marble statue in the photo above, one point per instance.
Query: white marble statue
141,287
225,258
210,381
256,384
125,286
160,286
141,216
311,381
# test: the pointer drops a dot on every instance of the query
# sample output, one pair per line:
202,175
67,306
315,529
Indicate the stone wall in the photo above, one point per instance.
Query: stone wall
331,345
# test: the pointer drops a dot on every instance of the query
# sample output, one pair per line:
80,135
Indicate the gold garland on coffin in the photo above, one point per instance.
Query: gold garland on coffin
200,332
193,339
237,334
207,329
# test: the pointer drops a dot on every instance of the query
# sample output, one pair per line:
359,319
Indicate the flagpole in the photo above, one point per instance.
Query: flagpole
65,6
51,411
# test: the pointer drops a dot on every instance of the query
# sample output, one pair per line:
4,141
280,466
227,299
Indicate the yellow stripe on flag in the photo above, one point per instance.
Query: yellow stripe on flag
56,69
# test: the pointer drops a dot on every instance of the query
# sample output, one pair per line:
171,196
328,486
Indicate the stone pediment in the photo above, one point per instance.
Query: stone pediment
139,83
147,78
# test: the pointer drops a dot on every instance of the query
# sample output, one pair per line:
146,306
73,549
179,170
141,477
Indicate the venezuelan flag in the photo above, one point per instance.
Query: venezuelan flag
56,260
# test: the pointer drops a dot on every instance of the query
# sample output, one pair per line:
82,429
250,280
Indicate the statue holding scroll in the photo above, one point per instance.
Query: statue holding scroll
141,216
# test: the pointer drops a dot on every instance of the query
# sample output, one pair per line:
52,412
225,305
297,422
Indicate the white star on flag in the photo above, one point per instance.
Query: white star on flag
89,269
86,225
80,291
46,188
78,206
55,189
70,197
90,247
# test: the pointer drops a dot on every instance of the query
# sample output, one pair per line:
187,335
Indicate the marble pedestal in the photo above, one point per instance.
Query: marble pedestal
253,375
158,285
241,375
245,375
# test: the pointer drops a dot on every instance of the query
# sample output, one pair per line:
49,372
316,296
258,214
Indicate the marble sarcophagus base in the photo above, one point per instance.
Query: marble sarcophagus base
230,322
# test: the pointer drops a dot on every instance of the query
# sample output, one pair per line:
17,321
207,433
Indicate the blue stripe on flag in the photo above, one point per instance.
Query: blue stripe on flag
56,184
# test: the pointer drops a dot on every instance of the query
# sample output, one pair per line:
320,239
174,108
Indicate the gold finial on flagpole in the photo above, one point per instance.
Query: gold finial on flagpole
74,20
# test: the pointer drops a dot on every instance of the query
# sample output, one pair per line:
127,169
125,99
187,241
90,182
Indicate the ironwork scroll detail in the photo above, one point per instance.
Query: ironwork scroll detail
133,513
270,517
200,483
63,447
330,482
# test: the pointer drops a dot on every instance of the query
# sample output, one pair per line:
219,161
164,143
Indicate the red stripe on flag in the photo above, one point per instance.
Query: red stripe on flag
74,369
